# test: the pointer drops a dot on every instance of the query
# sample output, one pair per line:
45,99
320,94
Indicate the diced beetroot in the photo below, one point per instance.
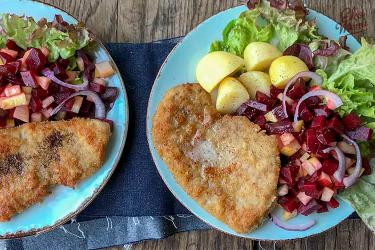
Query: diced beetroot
59,71
265,99
324,180
29,79
311,140
336,125
318,122
323,208
297,90
5,57
35,60
10,68
330,166
288,203
325,136
361,134
308,209
247,111
351,121
306,115
53,88
337,184
12,53
278,113
314,177
86,108
274,92
35,104
261,121
40,93
333,203
12,45
313,102
321,112
319,152
311,189
287,174
64,63
280,127
97,87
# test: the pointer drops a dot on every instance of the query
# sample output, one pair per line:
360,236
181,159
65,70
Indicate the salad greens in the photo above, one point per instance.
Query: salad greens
362,198
265,24
25,32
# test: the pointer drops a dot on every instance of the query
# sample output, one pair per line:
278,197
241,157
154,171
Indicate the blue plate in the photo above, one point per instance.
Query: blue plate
179,68
65,203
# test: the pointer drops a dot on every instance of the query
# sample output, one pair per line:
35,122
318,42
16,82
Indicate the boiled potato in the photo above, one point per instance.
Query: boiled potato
231,94
259,56
256,81
284,68
215,66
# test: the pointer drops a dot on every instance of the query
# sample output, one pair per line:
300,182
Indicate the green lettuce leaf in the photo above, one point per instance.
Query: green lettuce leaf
265,24
25,32
361,196
361,64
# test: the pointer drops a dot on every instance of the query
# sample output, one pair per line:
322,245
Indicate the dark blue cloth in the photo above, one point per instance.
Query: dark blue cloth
136,188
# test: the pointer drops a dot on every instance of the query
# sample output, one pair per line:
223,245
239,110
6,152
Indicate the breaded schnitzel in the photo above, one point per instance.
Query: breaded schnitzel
34,157
227,164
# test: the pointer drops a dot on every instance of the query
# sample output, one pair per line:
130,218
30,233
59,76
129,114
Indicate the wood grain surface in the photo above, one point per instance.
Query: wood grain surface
150,20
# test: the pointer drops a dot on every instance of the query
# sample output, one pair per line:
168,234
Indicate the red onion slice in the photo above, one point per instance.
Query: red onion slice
291,227
304,74
49,73
351,179
340,172
99,105
335,99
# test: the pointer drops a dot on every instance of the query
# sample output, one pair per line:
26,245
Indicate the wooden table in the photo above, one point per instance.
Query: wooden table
149,20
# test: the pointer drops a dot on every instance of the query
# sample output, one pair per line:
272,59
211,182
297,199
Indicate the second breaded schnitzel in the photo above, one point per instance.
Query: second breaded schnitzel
227,164
34,157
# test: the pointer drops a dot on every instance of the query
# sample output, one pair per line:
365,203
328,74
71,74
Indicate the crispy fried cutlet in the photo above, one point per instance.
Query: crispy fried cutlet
227,164
35,157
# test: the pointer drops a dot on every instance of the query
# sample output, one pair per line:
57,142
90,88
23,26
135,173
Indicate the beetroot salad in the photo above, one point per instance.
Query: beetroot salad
46,73
315,96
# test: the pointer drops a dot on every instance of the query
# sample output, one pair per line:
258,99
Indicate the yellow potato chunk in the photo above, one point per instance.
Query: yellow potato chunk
284,68
256,81
215,66
259,56
231,94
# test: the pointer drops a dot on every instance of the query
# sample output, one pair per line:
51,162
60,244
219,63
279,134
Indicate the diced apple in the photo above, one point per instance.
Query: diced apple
23,60
282,181
324,179
282,190
45,51
104,69
80,64
48,101
12,90
346,148
13,101
36,117
77,104
297,126
10,123
47,112
12,53
327,194
43,82
27,90
302,197
101,81
351,170
309,168
304,157
287,215
270,117
287,138
302,172
22,113
287,98
291,148
315,163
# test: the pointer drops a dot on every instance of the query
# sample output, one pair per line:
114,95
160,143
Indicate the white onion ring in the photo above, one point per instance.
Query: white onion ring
351,179
335,98
340,172
99,105
304,74
49,74
291,227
